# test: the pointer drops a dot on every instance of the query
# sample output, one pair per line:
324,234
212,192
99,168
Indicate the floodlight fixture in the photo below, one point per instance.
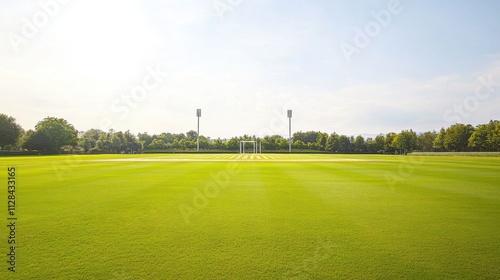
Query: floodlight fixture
289,113
198,114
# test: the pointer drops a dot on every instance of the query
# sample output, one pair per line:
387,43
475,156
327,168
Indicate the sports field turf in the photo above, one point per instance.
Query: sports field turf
254,217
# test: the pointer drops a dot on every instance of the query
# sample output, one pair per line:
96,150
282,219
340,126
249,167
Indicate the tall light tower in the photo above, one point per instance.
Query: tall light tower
198,114
290,130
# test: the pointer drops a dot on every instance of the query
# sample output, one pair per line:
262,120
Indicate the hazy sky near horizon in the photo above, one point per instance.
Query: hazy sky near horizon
353,67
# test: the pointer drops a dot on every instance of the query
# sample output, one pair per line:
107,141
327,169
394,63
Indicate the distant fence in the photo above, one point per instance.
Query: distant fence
462,154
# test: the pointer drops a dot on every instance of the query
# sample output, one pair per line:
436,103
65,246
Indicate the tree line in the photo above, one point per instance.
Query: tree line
55,135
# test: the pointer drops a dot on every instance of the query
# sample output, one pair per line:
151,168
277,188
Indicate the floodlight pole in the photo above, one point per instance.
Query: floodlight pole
289,113
198,114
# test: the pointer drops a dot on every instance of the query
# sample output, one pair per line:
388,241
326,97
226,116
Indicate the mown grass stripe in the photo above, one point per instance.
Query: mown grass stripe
271,220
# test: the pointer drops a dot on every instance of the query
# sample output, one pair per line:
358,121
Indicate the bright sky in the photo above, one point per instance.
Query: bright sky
351,66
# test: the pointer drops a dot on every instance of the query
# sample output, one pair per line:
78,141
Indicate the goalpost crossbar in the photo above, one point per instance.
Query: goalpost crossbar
257,146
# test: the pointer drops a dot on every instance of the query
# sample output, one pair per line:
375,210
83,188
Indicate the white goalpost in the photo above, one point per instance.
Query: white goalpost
256,147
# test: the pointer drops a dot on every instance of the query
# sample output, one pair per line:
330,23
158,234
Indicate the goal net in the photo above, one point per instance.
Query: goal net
255,147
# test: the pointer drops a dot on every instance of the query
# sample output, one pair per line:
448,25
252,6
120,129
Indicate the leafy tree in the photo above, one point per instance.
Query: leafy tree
145,139
268,143
50,135
483,138
479,139
438,142
204,143
310,146
116,142
495,136
321,140
275,142
283,143
175,144
388,144
369,145
191,135
34,140
425,141
344,145
104,142
179,136
218,144
132,144
405,141
359,144
10,131
332,143
299,145
378,144
88,141
189,144
169,137
233,144
457,137
306,137
157,144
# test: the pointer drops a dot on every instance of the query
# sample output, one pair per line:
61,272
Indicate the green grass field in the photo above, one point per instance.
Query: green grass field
254,217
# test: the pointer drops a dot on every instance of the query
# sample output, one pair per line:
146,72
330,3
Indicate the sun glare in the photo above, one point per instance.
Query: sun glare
98,44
